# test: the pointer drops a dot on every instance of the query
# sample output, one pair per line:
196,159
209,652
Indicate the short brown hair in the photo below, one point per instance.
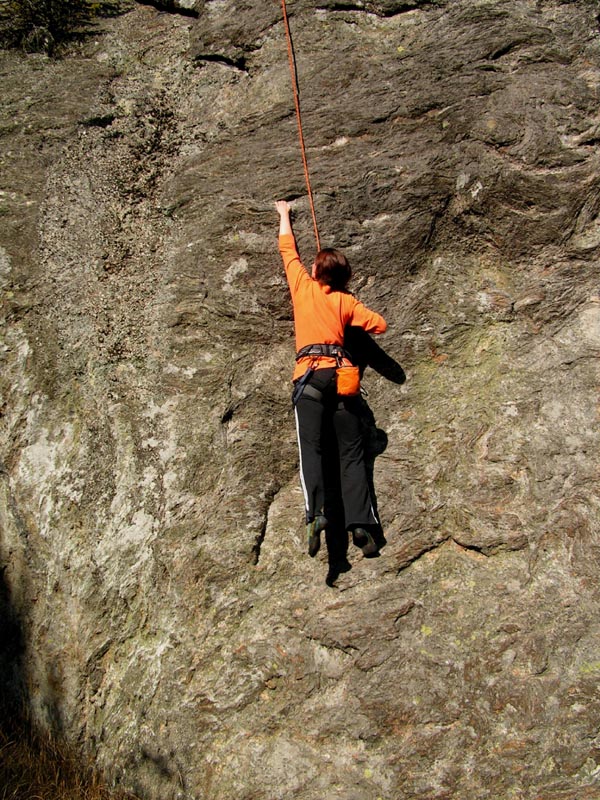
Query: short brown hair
332,269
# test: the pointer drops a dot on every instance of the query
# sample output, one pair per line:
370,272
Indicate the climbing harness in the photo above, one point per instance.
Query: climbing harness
301,386
347,374
293,73
330,350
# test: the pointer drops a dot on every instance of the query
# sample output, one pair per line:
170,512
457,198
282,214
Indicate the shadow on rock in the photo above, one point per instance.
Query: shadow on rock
11,654
365,353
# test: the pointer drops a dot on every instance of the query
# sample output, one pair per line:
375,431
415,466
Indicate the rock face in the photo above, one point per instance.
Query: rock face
152,543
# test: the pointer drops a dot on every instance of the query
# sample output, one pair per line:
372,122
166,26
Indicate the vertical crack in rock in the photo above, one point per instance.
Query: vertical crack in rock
270,499
227,415
259,541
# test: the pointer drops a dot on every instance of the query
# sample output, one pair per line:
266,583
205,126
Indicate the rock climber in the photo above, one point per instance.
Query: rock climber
323,307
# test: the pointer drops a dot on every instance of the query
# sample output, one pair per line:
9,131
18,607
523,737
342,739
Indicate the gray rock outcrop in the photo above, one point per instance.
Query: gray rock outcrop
152,543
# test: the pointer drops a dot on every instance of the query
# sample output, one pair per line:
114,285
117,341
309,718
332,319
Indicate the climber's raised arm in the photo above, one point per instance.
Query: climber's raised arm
283,209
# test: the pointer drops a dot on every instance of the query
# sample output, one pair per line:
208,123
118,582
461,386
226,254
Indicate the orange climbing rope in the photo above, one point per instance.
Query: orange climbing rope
292,61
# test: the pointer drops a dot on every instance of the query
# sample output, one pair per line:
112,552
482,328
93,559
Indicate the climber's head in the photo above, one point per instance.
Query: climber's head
331,268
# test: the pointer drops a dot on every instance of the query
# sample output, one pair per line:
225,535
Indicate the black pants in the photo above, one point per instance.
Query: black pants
316,420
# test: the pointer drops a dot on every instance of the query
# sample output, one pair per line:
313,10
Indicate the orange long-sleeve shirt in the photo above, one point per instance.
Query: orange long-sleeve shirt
320,313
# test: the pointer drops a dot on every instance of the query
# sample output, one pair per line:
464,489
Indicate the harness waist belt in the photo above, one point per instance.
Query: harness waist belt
329,350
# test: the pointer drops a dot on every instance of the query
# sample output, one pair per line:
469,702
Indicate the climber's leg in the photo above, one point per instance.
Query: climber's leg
358,505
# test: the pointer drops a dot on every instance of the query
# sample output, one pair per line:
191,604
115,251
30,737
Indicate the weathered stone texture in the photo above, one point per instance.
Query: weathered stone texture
151,517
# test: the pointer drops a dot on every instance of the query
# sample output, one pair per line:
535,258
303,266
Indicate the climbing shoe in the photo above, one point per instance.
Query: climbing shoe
363,539
313,531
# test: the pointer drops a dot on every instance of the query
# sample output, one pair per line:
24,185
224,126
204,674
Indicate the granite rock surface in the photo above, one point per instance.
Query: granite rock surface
152,543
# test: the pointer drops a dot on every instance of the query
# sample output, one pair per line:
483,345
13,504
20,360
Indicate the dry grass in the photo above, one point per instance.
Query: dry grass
44,25
34,766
